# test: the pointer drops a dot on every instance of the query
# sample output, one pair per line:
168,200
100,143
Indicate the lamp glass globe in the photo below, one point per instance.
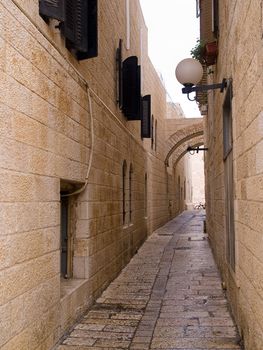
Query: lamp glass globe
189,71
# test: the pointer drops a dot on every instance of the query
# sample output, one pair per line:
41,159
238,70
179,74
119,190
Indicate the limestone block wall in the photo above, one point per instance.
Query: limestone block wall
45,128
62,130
240,58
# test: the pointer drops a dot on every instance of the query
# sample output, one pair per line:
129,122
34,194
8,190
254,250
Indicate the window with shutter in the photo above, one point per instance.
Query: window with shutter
80,28
52,9
145,195
131,92
229,178
124,176
215,17
227,123
69,24
130,192
146,117
119,73
92,29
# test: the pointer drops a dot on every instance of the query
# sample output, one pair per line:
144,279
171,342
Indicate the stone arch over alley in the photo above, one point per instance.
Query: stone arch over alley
182,150
189,131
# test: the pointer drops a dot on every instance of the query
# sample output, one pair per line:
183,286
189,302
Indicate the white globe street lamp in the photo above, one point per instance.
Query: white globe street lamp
189,72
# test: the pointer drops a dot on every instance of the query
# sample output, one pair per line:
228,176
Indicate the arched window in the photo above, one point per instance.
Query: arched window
130,192
124,174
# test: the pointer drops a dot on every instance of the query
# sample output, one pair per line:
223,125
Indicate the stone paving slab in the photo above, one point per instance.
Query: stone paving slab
169,297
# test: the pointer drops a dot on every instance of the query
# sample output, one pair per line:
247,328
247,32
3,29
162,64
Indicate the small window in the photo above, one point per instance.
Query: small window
215,17
67,225
145,196
229,178
130,192
227,123
146,117
66,236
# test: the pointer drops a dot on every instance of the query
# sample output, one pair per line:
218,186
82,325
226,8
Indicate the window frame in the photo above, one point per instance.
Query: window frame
78,24
229,178
130,193
66,263
215,17
124,180
145,195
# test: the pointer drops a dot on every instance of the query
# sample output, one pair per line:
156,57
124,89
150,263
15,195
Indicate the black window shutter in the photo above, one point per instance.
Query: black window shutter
81,28
81,25
146,117
138,93
69,24
52,9
215,28
119,73
92,29
131,95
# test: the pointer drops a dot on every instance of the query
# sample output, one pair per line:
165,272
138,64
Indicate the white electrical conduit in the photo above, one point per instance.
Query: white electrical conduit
91,151
89,90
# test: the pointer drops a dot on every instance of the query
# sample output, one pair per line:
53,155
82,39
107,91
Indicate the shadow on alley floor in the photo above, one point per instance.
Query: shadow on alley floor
168,297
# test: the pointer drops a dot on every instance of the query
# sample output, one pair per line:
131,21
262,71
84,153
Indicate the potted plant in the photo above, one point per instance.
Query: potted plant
205,52
198,52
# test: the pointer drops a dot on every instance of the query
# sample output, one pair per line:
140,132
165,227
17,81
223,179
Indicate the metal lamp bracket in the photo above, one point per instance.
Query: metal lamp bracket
199,88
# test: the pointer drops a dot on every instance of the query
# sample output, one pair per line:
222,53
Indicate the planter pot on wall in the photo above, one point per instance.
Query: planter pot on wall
211,52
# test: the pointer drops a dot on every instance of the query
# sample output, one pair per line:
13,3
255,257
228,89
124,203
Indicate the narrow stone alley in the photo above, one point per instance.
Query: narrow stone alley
168,297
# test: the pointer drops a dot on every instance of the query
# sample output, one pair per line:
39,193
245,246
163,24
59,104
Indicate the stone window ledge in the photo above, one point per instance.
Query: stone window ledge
69,286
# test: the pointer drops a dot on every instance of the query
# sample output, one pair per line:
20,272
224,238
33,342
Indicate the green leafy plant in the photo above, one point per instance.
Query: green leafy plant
198,52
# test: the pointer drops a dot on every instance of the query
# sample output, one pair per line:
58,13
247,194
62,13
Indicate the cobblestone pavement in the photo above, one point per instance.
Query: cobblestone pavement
168,297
